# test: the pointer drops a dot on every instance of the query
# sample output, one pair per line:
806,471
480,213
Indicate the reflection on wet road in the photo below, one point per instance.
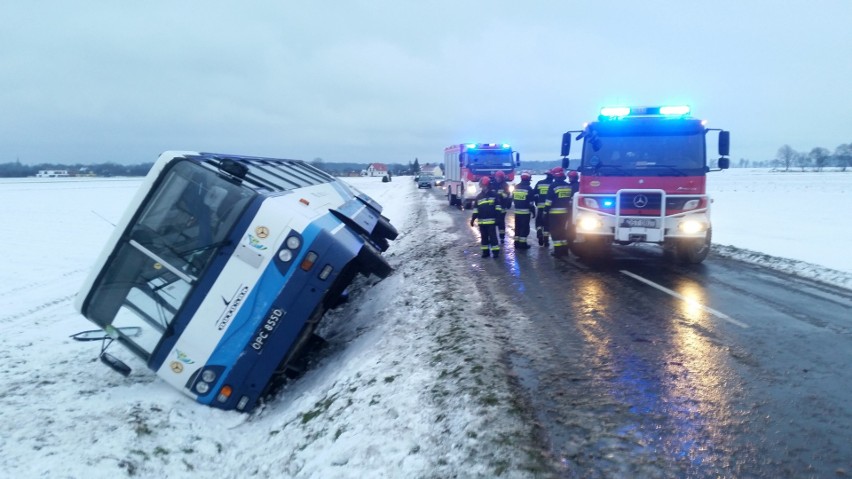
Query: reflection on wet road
641,368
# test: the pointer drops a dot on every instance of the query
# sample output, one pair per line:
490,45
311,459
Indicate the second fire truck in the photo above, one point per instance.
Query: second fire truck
466,163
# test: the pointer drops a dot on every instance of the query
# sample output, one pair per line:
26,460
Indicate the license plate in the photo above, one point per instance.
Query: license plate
640,223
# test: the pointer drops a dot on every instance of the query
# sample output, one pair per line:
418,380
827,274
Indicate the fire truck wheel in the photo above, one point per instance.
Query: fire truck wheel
590,250
692,251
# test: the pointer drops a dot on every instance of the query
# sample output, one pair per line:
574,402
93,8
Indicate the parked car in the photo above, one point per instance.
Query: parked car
439,181
424,181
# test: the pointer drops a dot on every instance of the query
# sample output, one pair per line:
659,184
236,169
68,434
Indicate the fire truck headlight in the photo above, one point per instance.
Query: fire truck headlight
591,203
589,223
691,205
511,188
471,189
691,227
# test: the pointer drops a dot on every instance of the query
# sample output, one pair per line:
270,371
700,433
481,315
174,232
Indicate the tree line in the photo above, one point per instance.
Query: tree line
786,159
19,170
817,159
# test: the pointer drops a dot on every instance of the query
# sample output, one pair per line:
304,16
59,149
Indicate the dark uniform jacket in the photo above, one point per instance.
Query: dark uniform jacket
541,189
559,197
523,197
502,189
486,207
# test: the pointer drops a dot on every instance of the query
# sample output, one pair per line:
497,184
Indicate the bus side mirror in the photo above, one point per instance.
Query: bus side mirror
566,144
115,364
566,164
724,143
517,159
724,163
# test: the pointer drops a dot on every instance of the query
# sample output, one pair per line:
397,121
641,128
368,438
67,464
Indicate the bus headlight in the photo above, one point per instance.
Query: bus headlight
691,227
293,242
285,255
202,387
589,223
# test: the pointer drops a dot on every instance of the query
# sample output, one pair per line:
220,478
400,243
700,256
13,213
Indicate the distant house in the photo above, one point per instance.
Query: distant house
433,170
52,174
375,169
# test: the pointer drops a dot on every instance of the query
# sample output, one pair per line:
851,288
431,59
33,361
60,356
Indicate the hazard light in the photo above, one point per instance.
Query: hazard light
487,146
615,111
674,110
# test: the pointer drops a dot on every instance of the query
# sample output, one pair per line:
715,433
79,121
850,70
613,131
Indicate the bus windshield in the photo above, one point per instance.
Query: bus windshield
647,155
165,250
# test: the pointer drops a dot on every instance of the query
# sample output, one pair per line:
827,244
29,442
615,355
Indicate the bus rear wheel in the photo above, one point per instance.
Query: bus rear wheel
372,262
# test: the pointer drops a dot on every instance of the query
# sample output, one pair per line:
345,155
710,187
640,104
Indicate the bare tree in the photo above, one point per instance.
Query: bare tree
843,156
786,156
819,157
802,160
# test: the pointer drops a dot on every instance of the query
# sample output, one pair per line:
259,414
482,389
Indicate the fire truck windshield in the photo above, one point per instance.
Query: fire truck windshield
646,155
489,159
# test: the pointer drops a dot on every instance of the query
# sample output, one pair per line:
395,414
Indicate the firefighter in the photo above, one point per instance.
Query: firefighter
558,210
540,196
574,181
501,187
524,208
486,209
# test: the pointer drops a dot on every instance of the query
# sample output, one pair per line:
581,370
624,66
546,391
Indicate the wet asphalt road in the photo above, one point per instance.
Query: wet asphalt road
641,368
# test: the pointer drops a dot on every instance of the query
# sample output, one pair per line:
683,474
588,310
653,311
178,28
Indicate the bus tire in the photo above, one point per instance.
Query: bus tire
385,229
371,262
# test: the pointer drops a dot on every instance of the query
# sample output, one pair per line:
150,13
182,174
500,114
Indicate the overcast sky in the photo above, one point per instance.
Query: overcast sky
391,80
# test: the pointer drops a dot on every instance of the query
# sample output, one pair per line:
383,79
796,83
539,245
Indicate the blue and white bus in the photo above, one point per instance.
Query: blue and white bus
222,267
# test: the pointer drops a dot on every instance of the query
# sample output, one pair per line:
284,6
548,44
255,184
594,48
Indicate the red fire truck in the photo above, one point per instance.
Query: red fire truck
466,163
643,180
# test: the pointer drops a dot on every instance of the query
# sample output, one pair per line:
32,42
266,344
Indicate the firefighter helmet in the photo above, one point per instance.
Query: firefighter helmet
558,172
573,174
484,181
525,176
499,175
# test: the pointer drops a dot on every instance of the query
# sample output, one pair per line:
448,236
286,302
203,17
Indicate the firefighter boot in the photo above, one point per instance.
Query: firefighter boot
485,253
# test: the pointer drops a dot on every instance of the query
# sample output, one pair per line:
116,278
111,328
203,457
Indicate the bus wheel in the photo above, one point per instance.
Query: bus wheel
385,229
693,251
372,262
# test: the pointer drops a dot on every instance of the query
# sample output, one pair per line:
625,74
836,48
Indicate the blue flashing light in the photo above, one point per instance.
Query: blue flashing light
674,110
506,145
471,145
608,203
615,111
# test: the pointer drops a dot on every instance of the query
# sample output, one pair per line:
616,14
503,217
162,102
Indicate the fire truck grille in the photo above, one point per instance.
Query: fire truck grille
641,204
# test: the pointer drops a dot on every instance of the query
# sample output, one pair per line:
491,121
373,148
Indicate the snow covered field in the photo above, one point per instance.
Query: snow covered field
406,390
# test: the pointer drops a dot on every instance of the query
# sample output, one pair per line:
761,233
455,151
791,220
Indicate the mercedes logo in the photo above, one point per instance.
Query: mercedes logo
640,201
